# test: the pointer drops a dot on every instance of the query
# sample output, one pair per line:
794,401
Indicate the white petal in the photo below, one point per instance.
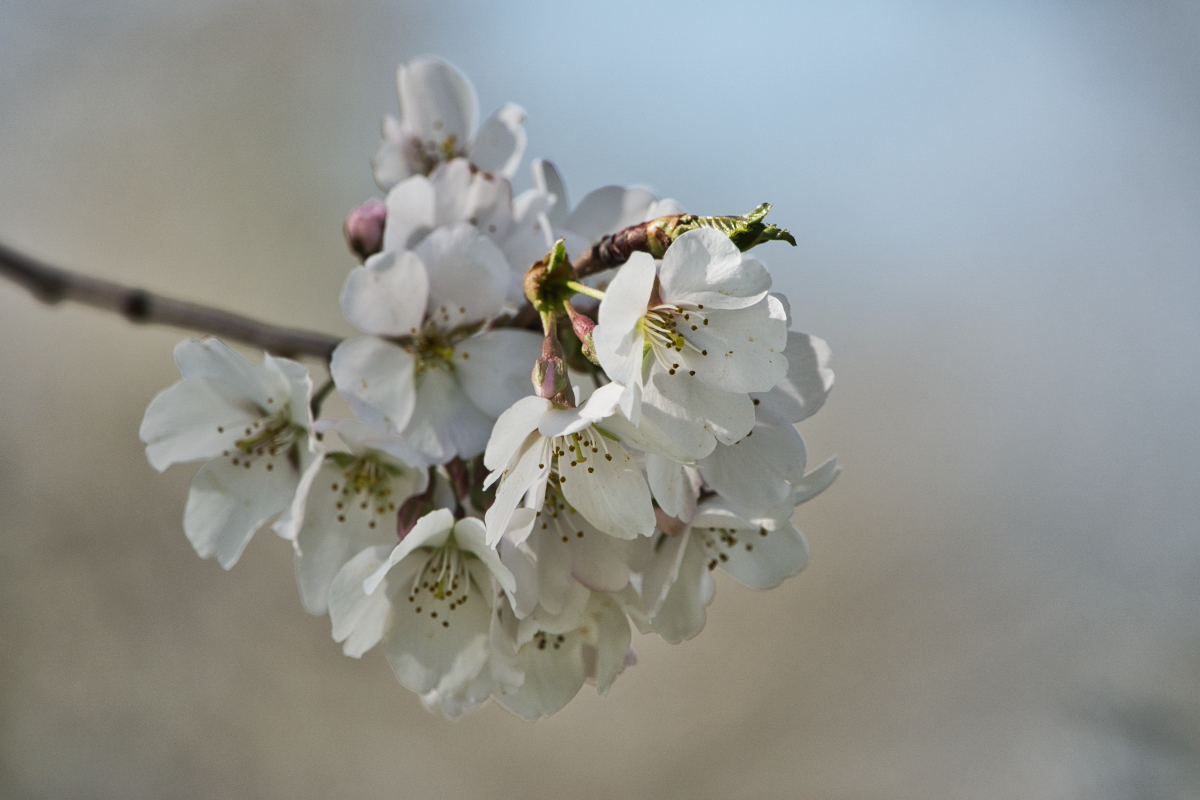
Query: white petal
598,560
209,357
195,419
524,569
609,209
530,468
468,276
661,570
428,640
615,497
444,422
510,430
387,295
554,579
228,503
360,437
471,536
809,380
358,618
618,340
816,482
737,351
500,142
290,521
671,486
411,212
462,194
291,377
437,100
389,165
554,673
547,180
703,268
613,638
758,557
756,473
431,530
331,534
682,613
376,378
494,368
727,415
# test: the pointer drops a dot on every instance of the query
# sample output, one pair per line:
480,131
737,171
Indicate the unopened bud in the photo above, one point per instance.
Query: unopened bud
583,325
550,377
364,228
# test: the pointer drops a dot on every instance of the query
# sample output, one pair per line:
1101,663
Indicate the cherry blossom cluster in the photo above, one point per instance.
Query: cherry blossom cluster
565,418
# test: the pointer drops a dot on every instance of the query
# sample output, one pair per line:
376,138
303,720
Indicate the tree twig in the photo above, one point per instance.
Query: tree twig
52,285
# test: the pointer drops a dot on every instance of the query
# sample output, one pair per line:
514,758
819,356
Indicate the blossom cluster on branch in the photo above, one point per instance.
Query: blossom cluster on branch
565,419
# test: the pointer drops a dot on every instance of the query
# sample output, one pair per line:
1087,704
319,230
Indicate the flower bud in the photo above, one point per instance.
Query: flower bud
583,326
550,371
364,228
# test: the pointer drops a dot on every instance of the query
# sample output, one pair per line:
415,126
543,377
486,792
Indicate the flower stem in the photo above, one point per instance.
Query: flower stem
318,399
583,288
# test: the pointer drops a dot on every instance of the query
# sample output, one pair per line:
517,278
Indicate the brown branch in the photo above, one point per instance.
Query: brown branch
52,285
615,249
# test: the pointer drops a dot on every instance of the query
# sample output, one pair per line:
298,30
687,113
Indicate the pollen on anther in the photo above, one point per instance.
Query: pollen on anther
703,352
445,624
371,524
579,534
541,466
590,469
565,538
220,429
270,467
691,372
341,517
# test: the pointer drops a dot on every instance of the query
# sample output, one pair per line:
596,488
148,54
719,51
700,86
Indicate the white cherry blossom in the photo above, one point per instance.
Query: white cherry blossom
557,652
429,600
250,423
348,503
694,339
438,115
424,373
535,442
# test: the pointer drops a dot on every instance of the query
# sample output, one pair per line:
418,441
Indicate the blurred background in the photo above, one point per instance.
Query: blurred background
998,211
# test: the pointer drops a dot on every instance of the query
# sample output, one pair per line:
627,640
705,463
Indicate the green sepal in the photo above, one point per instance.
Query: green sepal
745,232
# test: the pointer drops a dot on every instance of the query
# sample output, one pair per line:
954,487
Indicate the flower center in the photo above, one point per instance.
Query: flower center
367,481
270,437
433,348
576,451
666,327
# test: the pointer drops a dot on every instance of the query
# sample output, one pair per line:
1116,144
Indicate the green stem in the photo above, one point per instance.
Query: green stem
583,288
319,398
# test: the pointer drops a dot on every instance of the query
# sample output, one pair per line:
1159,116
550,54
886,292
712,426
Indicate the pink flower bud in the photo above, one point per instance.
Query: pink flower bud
583,326
550,371
364,228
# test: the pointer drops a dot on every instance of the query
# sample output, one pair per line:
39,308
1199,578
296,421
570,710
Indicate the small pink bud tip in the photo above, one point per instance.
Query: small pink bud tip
364,228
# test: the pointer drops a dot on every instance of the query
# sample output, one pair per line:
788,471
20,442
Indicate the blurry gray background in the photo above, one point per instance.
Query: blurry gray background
998,210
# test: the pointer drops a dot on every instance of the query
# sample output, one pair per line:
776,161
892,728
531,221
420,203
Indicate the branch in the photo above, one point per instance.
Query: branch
52,285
